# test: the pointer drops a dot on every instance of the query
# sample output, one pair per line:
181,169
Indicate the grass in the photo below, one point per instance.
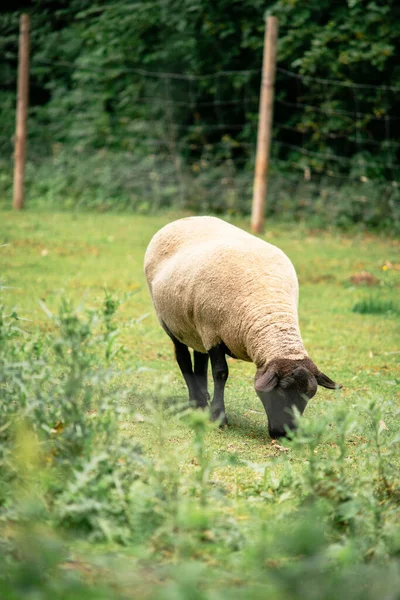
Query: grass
79,255
375,306
50,256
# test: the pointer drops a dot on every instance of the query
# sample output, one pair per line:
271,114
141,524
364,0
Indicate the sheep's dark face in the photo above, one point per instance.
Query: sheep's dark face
285,385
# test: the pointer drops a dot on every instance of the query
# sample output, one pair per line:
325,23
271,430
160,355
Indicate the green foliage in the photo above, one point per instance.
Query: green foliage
107,181
337,530
104,135
60,417
48,384
372,204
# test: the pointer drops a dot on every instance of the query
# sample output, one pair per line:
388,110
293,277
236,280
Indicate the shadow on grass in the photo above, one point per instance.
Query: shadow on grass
245,423
240,426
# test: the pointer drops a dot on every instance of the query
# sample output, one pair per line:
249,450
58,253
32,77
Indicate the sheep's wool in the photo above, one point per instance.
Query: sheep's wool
212,282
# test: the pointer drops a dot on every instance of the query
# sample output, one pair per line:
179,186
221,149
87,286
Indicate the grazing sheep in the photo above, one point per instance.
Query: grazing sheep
219,290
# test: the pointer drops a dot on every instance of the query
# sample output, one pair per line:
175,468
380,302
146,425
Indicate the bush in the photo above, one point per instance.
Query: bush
321,522
110,181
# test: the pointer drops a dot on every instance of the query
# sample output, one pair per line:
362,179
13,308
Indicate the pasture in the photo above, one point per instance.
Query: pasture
199,512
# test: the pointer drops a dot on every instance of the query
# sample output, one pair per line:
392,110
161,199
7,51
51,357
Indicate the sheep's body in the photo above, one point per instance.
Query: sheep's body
212,282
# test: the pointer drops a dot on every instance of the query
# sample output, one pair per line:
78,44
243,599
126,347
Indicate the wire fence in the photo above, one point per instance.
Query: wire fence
361,132
194,135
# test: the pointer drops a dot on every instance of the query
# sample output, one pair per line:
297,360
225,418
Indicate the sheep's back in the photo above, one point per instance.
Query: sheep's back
209,280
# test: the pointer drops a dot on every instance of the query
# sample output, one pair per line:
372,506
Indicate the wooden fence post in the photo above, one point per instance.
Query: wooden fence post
264,124
22,110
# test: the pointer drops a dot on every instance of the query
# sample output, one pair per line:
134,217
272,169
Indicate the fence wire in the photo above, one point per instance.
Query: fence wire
200,130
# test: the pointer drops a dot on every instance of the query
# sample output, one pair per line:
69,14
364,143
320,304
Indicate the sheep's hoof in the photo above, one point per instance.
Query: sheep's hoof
221,419
199,403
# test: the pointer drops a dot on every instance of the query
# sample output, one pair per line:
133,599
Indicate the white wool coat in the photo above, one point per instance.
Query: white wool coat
212,282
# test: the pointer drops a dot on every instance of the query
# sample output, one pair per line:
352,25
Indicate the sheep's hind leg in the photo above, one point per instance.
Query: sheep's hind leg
200,371
184,360
220,373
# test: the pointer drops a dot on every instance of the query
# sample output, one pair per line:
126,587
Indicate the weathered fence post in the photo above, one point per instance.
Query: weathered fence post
264,124
22,110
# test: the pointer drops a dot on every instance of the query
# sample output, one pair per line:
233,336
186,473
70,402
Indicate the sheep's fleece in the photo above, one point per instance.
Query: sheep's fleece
212,282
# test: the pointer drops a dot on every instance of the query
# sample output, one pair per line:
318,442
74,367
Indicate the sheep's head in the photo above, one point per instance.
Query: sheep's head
285,384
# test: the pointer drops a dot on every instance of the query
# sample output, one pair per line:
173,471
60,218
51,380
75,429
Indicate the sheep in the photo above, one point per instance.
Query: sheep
222,291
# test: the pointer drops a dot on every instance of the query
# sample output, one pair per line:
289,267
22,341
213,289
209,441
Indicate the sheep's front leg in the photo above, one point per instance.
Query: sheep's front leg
220,373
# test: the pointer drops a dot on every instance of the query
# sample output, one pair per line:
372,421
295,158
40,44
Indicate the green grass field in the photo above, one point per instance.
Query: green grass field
51,256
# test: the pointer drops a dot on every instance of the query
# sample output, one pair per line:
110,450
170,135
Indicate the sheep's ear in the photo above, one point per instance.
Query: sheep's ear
326,382
267,381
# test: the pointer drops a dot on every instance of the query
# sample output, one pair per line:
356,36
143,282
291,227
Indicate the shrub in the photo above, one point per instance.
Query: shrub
321,522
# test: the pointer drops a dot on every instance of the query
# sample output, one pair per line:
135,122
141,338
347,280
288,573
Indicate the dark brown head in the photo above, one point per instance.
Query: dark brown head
285,384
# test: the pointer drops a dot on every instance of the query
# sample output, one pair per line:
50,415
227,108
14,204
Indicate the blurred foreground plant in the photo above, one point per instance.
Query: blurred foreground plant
322,522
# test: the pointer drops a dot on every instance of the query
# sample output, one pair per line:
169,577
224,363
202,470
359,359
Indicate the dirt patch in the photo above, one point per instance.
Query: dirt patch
364,278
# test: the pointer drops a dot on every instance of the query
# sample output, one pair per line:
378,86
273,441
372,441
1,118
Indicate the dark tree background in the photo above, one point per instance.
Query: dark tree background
88,96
